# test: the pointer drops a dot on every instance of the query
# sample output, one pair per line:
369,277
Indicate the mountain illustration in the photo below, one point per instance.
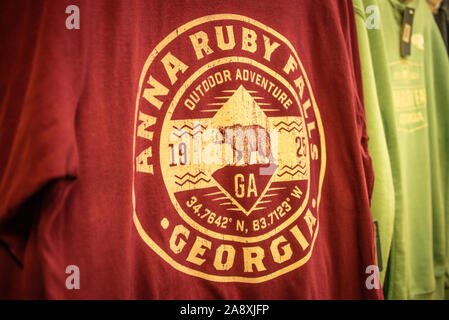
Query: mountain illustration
242,109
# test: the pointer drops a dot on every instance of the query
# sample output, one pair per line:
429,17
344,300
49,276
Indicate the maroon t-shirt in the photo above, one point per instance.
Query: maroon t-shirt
183,150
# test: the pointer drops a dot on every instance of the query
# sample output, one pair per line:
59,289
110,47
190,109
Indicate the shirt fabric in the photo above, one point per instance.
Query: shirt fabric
413,94
383,200
94,165
442,19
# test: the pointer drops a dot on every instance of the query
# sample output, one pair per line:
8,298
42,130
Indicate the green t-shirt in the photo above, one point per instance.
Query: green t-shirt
382,199
413,99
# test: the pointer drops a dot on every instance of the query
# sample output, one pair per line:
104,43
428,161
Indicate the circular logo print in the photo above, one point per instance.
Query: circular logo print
229,152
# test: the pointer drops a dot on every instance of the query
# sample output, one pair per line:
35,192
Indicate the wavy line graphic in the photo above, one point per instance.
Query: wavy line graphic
291,168
194,127
192,182
288,124
190,175
292,174
294,128
291,126
186,132
181,131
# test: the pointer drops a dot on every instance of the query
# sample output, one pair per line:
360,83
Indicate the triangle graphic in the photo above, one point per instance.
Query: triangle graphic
243,183
241,108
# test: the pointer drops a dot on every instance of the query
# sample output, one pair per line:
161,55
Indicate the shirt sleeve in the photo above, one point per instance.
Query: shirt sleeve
40,83
437,82
382,201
